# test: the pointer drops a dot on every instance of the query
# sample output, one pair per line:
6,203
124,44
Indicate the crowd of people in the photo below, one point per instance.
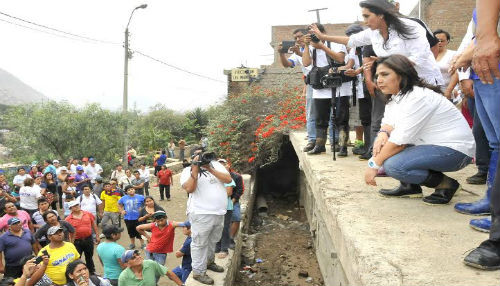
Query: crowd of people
422,109
53,215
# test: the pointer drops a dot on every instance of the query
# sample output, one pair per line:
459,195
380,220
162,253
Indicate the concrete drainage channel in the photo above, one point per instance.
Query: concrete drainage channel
274,246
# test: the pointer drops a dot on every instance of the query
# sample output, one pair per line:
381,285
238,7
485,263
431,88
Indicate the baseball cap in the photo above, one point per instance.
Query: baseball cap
63,168
53,229
111,229
71,178
55,161
13,220
128,254
79,168
91,160
185,224
85,159
158,214
73,203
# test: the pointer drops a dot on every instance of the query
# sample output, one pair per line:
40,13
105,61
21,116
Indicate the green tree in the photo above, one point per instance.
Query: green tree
60,130
198,119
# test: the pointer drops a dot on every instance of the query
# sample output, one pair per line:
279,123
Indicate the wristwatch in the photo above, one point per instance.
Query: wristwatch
372,164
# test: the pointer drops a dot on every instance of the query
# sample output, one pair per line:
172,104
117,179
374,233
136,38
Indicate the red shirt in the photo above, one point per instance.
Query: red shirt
162,240
83,225
165,176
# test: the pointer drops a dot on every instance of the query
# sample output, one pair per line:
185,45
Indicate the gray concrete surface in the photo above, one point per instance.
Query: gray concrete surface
372,240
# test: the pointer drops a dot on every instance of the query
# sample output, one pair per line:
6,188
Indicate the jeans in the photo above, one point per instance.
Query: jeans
146,188
164,189
171,153
114,217
310,115
160,258
86,245
236,212
487,98
412,165
223,244
206,230
483,152
182,273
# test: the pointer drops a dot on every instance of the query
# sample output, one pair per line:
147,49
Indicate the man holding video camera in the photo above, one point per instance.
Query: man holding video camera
204,182
328,59
297,49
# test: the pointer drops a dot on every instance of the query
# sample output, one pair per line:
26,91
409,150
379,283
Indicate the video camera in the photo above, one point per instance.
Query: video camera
204,158
333,79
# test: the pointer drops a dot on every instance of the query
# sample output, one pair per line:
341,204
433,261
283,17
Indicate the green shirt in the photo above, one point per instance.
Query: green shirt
150,270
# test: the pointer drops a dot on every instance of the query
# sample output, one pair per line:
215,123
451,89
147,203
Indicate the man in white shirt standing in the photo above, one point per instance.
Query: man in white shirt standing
144,173
207,204
93,170
90,202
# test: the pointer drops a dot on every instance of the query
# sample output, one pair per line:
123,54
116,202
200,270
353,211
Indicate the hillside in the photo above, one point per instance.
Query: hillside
13,91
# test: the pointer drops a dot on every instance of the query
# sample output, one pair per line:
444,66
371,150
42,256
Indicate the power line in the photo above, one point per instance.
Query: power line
177,68
60,31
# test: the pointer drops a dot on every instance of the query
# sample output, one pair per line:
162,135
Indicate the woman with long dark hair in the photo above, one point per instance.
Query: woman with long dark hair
422,134
390,33
150,207
49,189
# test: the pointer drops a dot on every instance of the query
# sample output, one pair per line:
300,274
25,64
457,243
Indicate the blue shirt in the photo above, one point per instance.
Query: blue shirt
230,206
186,249
132,206
161,160
109,252
15,247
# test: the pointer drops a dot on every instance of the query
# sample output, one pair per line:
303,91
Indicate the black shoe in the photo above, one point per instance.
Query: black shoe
477,179
358,150
485,257
317,150
404,190
445,186
214,267
343,151
309,146
365,156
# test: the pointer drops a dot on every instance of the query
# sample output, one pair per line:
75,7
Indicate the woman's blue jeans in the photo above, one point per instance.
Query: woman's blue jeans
412,165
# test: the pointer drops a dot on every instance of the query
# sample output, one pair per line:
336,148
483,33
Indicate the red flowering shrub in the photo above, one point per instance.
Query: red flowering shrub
248,129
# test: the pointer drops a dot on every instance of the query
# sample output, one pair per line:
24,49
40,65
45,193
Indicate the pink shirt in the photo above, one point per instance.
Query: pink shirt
22,215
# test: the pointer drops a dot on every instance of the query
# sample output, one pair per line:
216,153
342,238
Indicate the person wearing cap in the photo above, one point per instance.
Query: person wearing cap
57,164
165,180
85,162
15,244
140,272
130,207
61,253
93,170
110,253
206,207
84,223
185,268
81,179
12,211
161,240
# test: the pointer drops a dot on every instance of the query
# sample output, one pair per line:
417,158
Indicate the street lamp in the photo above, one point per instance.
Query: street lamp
125,84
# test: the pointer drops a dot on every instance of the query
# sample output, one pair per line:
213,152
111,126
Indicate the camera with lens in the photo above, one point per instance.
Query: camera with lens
204,158
314,38
333,79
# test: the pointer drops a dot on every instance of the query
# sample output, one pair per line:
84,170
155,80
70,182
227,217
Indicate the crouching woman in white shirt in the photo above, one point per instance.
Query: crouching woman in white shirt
422,134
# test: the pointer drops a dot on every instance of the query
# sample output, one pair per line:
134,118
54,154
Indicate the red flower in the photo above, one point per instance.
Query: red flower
243,101
269,117
251,159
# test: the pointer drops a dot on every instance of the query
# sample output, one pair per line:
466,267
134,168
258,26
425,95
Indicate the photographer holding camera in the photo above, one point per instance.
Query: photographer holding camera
327,80
204,182
294,60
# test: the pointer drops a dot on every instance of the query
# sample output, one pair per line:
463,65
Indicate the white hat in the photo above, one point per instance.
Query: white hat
55,161
73,203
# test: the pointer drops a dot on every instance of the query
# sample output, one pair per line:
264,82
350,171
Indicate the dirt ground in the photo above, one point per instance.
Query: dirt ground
281,239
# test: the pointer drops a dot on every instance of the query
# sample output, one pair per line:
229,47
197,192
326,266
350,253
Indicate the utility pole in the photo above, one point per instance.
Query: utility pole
125,86
317,13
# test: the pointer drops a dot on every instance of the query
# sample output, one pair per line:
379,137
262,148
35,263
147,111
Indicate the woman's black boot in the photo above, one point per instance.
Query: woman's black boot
445,188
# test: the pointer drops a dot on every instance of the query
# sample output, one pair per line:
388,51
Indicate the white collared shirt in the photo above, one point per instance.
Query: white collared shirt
424,117
416,48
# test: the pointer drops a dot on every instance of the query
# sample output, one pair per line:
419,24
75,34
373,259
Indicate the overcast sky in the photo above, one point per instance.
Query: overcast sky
204,37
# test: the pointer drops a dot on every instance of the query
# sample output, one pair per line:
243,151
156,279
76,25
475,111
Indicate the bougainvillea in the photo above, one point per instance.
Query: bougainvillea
248,128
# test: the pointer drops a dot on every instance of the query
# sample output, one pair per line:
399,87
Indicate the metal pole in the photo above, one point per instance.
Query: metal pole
317,13
125,99
420,9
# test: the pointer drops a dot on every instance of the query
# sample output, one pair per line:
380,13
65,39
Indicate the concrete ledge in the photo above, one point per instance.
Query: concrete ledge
362,238
232,262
